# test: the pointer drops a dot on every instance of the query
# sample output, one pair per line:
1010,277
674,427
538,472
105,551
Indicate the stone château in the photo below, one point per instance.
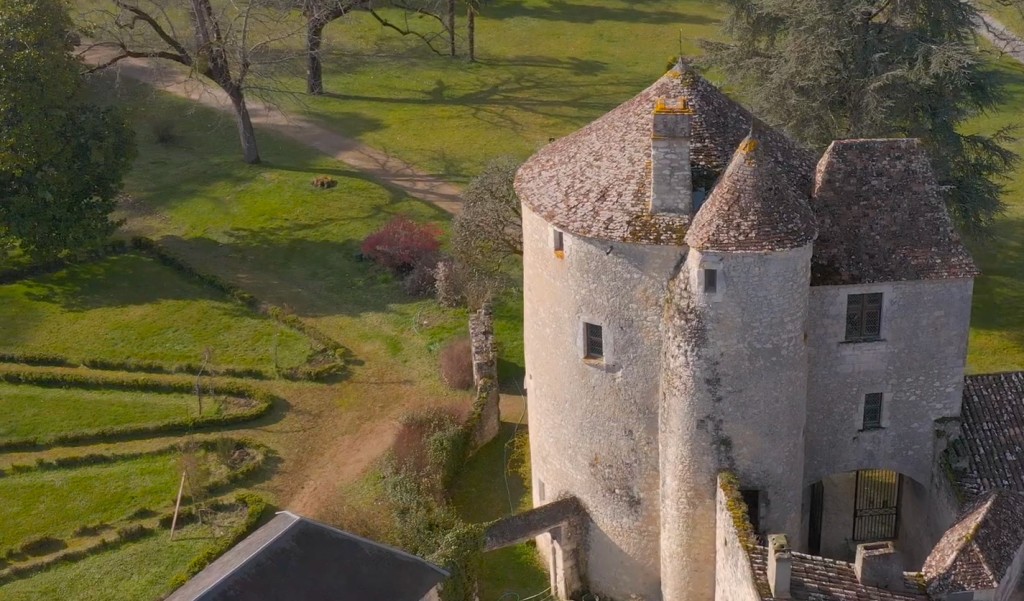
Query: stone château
746,364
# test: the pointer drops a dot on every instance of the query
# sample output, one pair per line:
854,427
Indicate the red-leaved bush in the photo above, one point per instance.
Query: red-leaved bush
402,244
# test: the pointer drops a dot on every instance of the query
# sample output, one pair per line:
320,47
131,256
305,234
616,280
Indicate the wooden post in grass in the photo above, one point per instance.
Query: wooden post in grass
177,504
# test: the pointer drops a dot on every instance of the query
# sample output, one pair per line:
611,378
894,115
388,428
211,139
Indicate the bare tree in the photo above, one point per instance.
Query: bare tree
219,46
472,8
319,14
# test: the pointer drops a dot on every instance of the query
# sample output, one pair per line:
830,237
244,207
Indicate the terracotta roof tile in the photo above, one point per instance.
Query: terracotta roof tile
989,453
881,216
821,579
752,207
977,551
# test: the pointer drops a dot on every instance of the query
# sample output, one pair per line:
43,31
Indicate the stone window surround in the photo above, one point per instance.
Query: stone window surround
558,242
862,392
886,290
607,341
697,280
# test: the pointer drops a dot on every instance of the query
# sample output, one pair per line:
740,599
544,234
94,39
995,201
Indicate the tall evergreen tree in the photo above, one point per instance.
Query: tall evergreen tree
61,158
831,69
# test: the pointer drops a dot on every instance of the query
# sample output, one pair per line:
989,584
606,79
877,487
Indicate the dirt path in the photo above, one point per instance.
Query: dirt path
380,166
1001,37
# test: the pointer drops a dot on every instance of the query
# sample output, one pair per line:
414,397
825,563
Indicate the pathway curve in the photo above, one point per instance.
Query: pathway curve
1001,37
379,165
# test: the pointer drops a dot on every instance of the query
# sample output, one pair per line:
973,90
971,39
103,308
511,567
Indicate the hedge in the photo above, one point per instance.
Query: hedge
264,401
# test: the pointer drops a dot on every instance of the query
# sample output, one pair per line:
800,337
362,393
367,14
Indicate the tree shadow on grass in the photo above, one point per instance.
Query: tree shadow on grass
998,305
577,12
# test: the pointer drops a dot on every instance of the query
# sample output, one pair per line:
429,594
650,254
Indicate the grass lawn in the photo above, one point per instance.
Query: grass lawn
31,412
132,307
492,486
1010,16
139,571
997,323
56,502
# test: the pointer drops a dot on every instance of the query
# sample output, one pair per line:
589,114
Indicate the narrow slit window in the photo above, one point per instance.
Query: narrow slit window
593,341
710,281
558,241
872,411
863,317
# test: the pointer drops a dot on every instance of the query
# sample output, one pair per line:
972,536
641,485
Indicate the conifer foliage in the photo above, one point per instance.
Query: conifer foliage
834,69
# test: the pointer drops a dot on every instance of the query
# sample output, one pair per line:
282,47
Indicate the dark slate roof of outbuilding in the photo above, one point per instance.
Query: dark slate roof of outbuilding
752,207
292,557
820,579
976,551
881,216
989,454
596,181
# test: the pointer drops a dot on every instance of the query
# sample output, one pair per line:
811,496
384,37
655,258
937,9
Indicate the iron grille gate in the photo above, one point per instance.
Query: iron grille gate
876,506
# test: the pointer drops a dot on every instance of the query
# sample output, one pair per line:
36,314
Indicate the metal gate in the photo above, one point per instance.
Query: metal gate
876,506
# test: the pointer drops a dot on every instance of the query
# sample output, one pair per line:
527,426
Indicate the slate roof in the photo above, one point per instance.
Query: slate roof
821,579
976,552
596,181
881,216
292,558
753,208
989,454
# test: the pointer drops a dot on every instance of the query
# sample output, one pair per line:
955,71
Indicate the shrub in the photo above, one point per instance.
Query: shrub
323,182
42,545
164,132
420,282
402,244
457,364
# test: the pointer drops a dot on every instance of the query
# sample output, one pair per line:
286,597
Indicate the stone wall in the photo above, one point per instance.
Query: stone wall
485,377
593,424
733,397
734,575
918,366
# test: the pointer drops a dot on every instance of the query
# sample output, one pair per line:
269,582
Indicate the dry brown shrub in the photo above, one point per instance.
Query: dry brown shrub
457,364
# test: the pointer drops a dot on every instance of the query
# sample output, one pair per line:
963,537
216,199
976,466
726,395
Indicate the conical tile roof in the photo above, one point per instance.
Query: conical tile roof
753,207
596,181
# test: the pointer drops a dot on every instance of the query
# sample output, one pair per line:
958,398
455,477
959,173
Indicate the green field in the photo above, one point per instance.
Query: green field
57,502
130,307
36,412
138,571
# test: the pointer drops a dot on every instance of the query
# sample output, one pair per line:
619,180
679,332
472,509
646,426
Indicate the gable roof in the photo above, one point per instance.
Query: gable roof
989,454
978,549
752,207
596,182
881,216
292,557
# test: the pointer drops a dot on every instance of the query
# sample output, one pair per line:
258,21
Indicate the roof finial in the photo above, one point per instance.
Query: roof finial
749,144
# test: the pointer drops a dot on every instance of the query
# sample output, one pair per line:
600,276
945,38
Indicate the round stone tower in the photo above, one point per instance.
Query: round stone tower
734,369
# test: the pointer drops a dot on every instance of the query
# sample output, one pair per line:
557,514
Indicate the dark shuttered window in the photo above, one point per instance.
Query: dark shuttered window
593,339
872,411
863,317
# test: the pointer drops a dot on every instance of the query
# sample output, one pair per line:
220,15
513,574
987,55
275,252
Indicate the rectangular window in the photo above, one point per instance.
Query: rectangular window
863,317
593,341
710,281
753,500
872,411
558,242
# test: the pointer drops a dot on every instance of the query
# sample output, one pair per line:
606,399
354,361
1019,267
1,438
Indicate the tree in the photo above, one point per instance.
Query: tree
319,14
220,47
828,70
489,231
61,159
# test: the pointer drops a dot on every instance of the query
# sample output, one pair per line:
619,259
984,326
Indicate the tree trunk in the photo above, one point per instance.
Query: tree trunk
471,30
250,152
451,26
314,68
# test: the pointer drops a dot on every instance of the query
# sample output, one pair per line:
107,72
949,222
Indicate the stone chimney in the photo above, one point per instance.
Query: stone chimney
671,186
780,565
879,564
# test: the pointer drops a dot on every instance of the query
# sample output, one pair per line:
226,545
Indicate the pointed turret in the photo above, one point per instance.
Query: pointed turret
753,208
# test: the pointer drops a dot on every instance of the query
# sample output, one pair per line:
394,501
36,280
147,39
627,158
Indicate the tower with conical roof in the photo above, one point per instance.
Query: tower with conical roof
734,369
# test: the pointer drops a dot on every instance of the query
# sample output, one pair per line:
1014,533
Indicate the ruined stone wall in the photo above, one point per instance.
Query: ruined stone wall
918,366
733,397
734,576
485,377
593,424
